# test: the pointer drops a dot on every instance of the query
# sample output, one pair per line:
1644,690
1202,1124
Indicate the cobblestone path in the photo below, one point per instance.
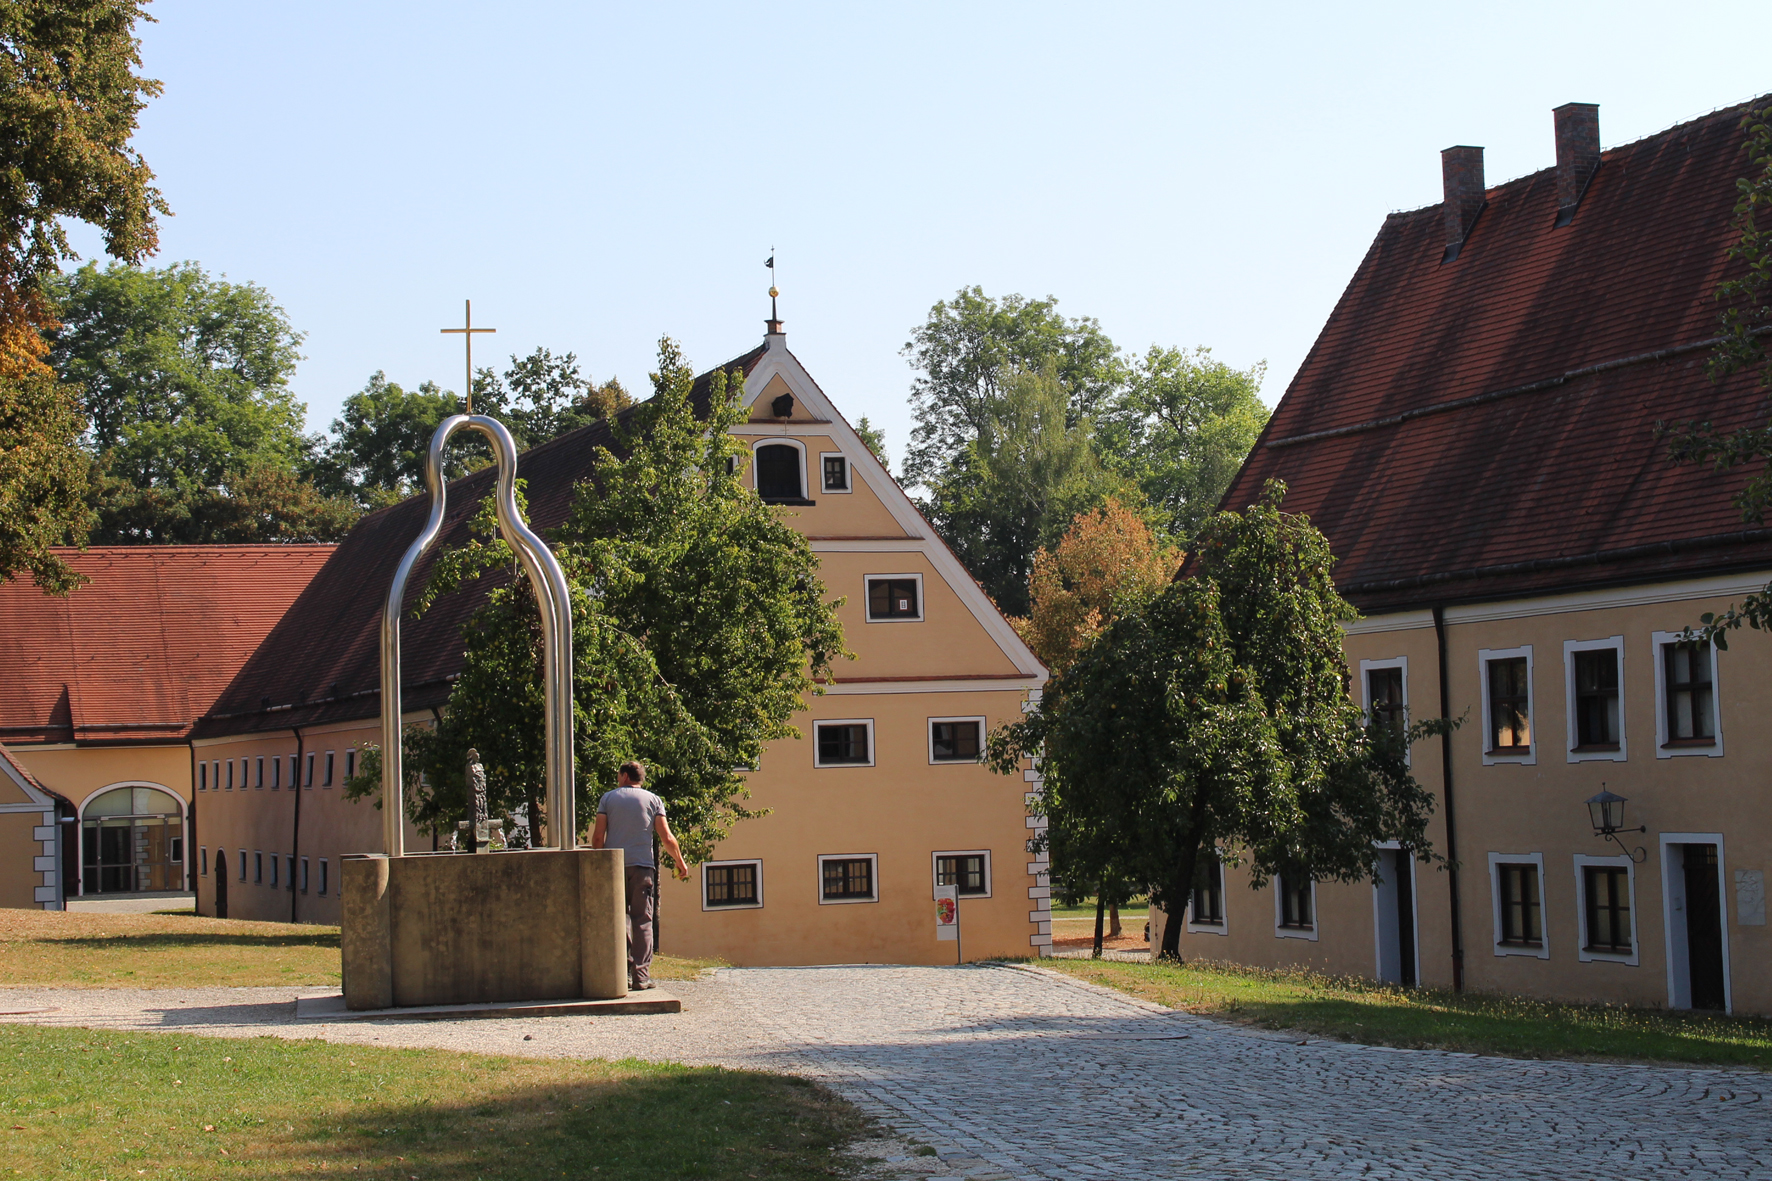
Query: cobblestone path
1021,1073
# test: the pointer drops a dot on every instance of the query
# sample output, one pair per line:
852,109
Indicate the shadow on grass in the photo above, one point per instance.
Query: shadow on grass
666,1121
189,941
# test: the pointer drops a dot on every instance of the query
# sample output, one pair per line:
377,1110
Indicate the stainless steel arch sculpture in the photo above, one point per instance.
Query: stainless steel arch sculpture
549,584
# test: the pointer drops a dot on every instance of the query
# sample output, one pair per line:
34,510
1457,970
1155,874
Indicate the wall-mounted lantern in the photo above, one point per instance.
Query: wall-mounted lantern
1606,810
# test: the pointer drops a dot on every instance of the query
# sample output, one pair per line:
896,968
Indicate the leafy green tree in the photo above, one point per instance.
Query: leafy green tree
874,439
1018,485
1746,328
69,101
1181,428
964,353
379,443
1217,716
185,382
699,623
542,397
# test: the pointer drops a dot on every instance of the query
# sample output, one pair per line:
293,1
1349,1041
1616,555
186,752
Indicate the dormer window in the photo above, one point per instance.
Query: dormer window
778,472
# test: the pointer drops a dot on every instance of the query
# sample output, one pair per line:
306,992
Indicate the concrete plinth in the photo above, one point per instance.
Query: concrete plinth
469,929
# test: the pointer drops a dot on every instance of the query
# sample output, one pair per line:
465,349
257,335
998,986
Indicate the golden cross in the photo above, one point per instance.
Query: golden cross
467,331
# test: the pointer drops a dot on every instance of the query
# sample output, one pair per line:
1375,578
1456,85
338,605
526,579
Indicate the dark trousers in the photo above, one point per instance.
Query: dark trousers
639,884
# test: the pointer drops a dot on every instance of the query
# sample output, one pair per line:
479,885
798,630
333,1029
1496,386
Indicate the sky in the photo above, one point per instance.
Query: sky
594,175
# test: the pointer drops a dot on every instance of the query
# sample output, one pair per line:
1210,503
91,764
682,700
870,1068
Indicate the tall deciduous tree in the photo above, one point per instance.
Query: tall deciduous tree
1017,485
1218,716
69,100
963,353
1181,428
1109,561
699,623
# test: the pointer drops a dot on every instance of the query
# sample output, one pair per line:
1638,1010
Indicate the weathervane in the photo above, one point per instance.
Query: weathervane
774,319
467,331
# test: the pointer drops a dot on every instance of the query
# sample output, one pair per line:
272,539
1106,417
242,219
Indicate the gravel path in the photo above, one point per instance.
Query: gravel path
1012,1072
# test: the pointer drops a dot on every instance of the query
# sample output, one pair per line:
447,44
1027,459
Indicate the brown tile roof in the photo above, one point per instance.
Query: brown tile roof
322,662
144,649
1486,428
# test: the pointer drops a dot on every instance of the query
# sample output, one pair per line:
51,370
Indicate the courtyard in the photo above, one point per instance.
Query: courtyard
1017,1071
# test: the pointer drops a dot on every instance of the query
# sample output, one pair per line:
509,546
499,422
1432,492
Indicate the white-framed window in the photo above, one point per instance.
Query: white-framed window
275,861
843,742
245,768
258,866
294,772
202,776
203,860
1516,889
1205,909
1605,909
1687,720
956,740
732,885
322,875
1593,678
351,763
276,773
778,470
304,875
242,859
848,877
1295,907
258,772
230,774
969,870
1507,705
327,782
833,467
1384,690
894,598
308,781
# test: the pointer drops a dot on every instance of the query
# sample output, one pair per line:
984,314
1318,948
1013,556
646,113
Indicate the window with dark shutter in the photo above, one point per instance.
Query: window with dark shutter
778,472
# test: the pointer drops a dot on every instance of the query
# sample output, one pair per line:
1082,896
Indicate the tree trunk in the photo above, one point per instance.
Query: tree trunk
1114,921
1099,895
1180,891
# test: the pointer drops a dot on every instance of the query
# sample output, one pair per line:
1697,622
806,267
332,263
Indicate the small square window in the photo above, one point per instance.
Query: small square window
732,884
836,473
894,598
955,740
968,873
1522,924
846,879
843,744
1510,727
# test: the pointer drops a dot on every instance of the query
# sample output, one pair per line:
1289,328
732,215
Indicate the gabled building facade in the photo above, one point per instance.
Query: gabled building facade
882,797
1476,432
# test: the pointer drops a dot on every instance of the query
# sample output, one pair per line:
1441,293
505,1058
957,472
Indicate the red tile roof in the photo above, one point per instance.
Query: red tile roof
143,650
1486,428
322,663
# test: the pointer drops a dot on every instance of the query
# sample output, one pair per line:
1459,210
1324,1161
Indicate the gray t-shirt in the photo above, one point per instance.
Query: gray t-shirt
632,811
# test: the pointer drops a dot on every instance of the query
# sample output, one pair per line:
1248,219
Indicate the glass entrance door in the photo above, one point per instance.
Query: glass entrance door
132,840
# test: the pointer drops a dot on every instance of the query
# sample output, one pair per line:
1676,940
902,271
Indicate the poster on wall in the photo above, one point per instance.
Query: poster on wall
947,914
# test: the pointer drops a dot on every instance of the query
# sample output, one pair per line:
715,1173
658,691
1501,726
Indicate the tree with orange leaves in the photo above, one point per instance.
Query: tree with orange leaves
1109,556
69,99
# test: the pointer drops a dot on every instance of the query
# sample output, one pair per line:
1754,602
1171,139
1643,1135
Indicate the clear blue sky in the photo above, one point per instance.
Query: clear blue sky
593,175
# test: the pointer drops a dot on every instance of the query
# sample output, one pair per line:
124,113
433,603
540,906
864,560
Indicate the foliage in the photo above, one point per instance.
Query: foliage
965,354
874,439
1746,324
1181,429
1018,485
380,442
69,99
698,625
197,434
1217,715
1109,557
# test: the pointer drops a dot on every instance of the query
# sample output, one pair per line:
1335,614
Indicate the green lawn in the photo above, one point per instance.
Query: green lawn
1361,1011
102,1104
1134,910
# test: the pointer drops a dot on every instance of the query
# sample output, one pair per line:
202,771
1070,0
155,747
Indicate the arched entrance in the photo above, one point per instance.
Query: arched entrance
132,839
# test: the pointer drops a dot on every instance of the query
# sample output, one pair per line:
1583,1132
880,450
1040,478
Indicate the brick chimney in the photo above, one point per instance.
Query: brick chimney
1578,154
1461,168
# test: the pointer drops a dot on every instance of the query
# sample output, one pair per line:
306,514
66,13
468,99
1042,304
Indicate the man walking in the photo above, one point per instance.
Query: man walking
626,819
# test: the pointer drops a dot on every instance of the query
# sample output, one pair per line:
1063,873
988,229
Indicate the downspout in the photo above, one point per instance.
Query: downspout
1446,796
191,865
295,837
